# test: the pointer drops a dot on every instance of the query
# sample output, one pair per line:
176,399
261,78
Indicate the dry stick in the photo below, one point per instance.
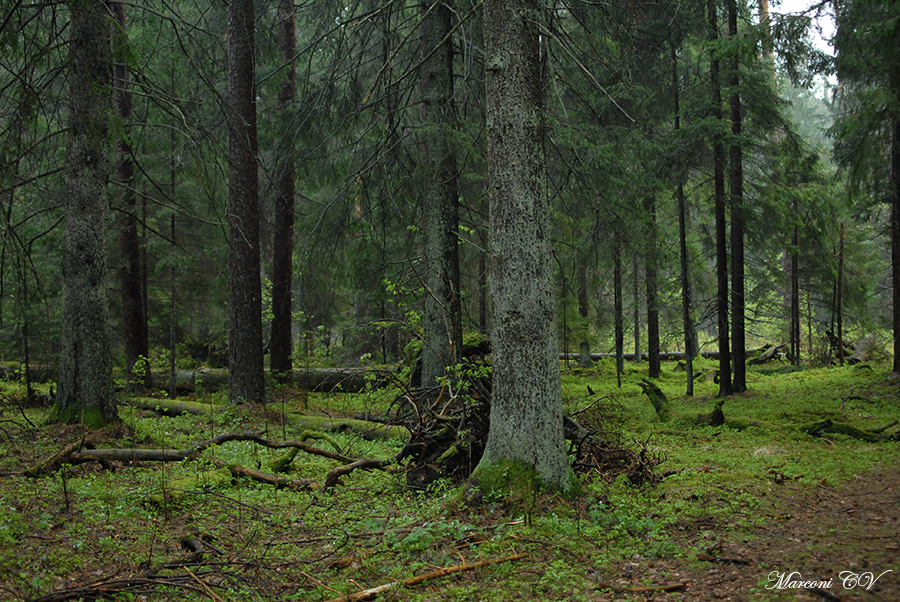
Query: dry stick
652,588
371,593
588,406
203,583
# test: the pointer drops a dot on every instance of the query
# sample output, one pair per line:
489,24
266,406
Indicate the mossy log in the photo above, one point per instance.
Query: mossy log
817,429
657,398
322,380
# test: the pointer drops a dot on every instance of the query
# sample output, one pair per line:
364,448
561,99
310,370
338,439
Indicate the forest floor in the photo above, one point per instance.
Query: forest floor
847,537
744,511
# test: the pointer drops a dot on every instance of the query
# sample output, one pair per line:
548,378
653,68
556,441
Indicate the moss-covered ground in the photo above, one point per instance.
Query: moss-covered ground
757,492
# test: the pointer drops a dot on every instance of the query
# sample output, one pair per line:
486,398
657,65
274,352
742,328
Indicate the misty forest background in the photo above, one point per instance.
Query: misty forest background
793,159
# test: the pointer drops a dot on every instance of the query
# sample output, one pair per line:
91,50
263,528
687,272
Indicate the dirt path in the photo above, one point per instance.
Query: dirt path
816,535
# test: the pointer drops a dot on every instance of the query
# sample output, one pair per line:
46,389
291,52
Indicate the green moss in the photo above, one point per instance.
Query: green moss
516,481
92,418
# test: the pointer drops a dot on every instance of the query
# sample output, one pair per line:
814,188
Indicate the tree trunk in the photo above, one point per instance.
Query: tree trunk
686,293
584,346
85,387
526,425
839,293
736,179
245,354
652,309
442,320
895,219
134,321
280,342
619,318
720,213
795,287
636,297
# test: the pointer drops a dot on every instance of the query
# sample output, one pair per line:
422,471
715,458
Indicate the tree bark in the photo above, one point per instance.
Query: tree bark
690,338
245,355
636,297
280,342
442,320
652,309
526,425
617,303
134,320
585,346
736,179
720,214
839,293
85,387
895,218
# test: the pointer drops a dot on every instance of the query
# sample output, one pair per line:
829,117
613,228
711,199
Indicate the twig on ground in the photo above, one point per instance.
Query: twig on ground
372,592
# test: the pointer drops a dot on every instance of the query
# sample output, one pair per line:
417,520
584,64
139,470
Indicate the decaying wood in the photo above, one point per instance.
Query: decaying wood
366,429
162,455
817,429
657,398
335,474
368,594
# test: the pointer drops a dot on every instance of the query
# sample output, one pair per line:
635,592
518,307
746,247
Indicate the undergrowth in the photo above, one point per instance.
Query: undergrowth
92,523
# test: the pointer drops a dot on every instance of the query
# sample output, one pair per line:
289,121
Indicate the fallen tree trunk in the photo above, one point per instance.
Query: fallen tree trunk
668,356
817,429
319,380
366,429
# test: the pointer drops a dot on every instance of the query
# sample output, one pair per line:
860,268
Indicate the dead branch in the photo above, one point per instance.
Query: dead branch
71,455
335,474
671,587
368,594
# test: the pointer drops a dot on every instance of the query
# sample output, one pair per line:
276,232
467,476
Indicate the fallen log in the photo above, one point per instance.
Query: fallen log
364,428
319,380
817,429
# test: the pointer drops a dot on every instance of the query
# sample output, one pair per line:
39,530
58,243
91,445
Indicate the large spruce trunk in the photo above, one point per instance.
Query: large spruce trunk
85,387
526,424
245,356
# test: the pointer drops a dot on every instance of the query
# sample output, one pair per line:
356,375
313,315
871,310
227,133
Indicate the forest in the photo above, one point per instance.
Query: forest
585,301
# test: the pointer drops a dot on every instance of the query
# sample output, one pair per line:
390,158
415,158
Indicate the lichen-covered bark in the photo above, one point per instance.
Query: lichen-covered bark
280,345
85,390
442,320
245,356
526,408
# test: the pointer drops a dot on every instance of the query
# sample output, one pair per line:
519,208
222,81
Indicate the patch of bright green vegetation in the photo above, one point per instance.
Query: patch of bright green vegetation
86,521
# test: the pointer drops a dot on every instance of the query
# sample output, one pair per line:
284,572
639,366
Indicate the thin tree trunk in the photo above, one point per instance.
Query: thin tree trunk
652,309
280,343
721,218
442,321
619,318
736,179
525,440
636,297
585,346
686,293
895,223
85,387
839,294
245,349
795,289
134,321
